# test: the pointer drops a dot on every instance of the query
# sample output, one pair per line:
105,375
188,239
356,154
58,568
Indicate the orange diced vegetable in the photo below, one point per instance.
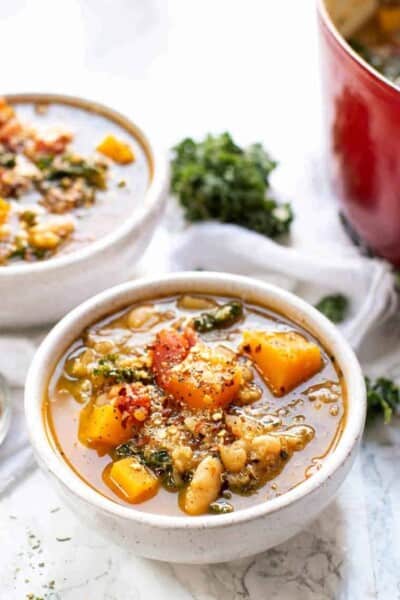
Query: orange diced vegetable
135,482
170,348
285,358
5,208
7,112
120,152
206,378
101,427
389,18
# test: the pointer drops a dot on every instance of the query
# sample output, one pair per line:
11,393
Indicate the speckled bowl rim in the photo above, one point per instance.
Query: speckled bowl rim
270,296
151,200
381,82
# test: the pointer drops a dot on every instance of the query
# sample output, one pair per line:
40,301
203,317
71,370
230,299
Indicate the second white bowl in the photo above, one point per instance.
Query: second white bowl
43,292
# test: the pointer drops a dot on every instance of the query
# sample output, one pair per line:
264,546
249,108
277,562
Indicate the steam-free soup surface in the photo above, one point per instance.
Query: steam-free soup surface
68,176
195,404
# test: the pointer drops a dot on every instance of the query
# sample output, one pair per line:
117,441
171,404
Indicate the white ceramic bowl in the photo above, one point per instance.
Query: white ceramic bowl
43,292
204,539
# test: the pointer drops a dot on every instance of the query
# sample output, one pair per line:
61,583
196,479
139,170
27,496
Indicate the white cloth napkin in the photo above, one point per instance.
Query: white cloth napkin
368,283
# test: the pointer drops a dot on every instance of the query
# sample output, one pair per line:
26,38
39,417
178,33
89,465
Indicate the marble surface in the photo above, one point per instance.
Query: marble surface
183,67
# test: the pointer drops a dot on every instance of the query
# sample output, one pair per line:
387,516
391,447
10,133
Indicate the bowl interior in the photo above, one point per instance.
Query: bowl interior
280,301
153,197
90,107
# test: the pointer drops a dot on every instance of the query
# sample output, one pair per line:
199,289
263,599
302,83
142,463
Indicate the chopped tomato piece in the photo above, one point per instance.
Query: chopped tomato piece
10,130
169,349
52,141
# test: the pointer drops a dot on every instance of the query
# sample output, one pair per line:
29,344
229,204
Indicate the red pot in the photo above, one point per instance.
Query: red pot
363,117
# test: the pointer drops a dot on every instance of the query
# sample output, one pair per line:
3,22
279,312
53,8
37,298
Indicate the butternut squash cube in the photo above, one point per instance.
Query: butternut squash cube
286,359
389,18
101,427
5,208
118,151
135,482
206,378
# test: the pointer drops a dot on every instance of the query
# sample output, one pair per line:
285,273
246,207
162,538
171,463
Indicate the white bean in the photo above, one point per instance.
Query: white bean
141,316
266,447
234,456
195,303
204,487
243,427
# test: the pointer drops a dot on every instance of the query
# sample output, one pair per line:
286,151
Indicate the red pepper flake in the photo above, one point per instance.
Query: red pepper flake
133,402
170,348
142,441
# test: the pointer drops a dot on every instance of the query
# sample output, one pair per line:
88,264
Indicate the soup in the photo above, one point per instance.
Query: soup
378,40
195,404
68,176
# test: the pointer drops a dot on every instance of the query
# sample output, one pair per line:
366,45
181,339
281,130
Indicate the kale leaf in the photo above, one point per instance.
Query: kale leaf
217,180
44,162
8,159
334,307
223,316
127,449
159,461
383,397
71,166
108,368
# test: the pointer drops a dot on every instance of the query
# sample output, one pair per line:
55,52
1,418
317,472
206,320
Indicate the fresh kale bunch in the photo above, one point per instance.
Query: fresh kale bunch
217,180
383,398
334,307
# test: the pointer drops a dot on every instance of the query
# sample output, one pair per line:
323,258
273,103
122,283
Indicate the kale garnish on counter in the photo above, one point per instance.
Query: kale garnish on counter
217,180
383,398
334,307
